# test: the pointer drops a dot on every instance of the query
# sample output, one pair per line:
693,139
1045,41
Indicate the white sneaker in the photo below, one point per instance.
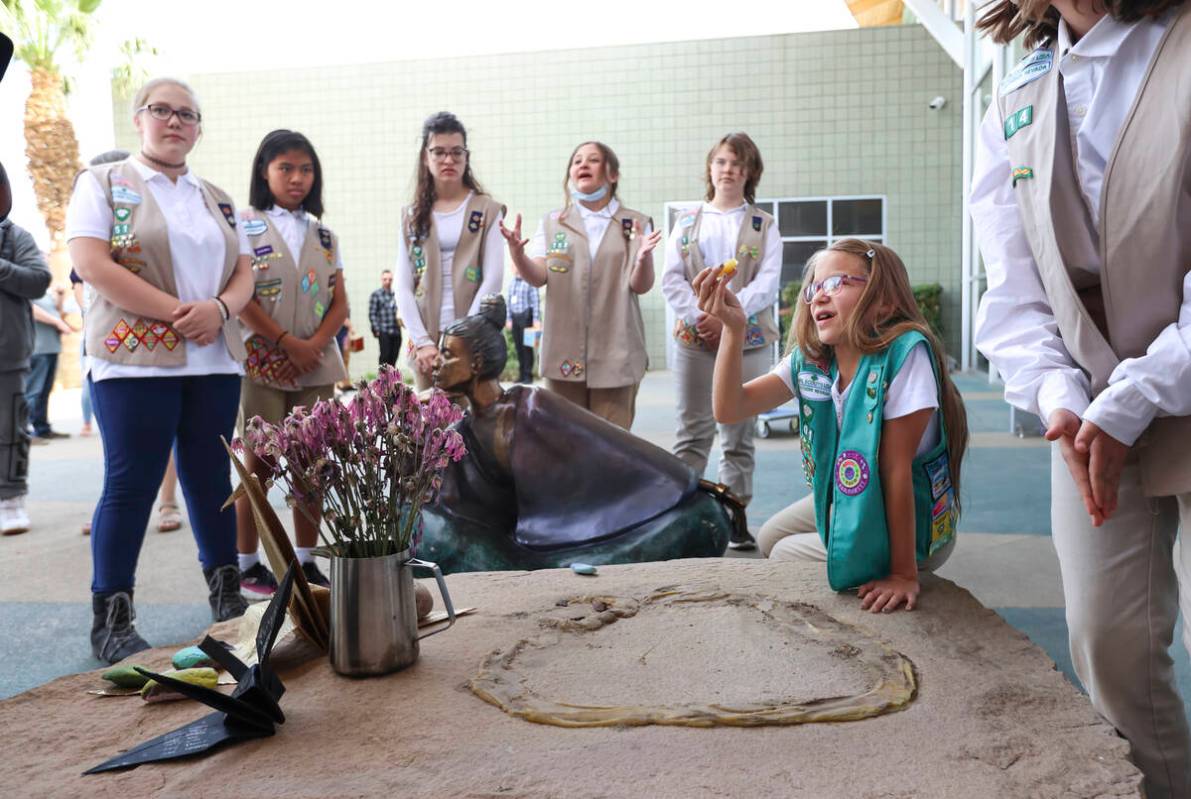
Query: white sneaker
13,518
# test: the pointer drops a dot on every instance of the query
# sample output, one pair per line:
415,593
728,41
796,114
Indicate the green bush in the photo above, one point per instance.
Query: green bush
929,297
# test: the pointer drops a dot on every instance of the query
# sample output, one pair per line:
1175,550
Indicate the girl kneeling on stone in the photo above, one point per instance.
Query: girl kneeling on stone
883,428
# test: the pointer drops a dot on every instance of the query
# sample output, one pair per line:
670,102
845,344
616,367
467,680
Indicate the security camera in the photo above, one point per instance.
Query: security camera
937,103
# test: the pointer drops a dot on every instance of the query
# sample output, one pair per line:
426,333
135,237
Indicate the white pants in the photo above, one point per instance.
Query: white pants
694,369
1121,586
791,534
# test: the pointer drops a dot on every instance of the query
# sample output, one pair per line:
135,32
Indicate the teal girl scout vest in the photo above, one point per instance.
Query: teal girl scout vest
841,467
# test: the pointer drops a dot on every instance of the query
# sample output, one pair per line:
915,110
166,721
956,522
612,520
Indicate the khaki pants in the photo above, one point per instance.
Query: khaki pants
617,405
693,369
274,404
791,534
1121,588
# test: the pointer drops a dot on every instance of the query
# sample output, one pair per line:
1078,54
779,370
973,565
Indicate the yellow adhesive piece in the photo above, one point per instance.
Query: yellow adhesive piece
729,268
156,692
506,676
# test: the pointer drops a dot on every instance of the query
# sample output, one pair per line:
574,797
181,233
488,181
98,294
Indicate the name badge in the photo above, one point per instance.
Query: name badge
125,195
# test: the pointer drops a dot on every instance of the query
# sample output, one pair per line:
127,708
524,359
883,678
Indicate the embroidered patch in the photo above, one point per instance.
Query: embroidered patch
122,214
324,238
333,279
1029,69
939,474
228,213
558,262
754,336
753,252
255,227
851,473
684,244
686,334
814,386
125,240
418,257
1018,120
626,225
474,221
757,223
310,282
471,274
319,310
269,289
687,219
571,368
264,360
1022,173
125,195
560,244
808,459
262,251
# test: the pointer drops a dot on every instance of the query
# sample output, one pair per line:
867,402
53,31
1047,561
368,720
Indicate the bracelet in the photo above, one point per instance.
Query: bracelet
284,333
223,311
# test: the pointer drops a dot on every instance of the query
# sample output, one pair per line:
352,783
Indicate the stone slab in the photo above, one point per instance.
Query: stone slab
992,717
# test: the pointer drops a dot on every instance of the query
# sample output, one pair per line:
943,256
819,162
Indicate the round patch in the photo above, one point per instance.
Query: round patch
851,472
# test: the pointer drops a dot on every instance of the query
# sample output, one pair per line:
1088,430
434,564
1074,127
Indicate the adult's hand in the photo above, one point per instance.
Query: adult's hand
199,320
425,357
1063,428
1106,459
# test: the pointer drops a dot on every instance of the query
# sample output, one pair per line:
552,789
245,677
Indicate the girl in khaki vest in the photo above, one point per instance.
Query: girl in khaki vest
1081,198
726,226
450,252
299,303
170,270
595,258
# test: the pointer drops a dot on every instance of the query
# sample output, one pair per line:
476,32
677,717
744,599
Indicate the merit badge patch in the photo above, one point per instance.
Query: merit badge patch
626,225
228,213
269,289
571,368
814,386
125,195
1018,120
255,227
319,310
471,274
474,221
757,223
1029,69
745,250
1022,173
851,473
324,238
122,214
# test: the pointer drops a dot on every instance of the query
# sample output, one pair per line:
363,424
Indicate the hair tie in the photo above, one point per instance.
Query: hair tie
871,254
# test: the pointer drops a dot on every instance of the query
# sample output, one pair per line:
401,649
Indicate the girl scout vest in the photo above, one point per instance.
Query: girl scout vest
750,249
481,214
593,331
296,295
1144,239
140,243
840,463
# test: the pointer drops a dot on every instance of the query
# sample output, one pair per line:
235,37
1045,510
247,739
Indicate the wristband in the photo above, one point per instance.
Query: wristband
223,311
284,333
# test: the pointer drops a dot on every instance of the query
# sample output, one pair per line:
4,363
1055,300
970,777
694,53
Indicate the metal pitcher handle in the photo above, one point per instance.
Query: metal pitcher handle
442,589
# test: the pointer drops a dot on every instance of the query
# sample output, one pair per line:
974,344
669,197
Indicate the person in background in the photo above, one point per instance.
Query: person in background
524,310
24,276
382,316
49,327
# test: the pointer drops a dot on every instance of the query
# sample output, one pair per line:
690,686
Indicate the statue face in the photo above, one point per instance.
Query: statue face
453,368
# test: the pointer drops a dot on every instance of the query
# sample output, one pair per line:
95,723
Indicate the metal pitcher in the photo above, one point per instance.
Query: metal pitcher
374,618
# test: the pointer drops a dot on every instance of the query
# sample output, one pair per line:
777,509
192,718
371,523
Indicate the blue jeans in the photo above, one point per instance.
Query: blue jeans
42,369
139,419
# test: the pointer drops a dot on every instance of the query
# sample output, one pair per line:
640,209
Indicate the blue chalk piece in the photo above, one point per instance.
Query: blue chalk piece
191,657
583,568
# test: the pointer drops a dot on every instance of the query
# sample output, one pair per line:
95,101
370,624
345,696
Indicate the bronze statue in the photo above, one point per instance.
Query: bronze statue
546,483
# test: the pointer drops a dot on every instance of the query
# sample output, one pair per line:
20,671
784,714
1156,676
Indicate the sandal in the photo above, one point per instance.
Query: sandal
168,518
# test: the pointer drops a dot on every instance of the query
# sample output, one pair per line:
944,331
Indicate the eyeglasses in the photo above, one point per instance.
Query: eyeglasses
440,153
830,287
162,113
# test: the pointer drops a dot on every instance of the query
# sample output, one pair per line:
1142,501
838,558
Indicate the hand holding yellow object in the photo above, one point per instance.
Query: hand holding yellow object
729,268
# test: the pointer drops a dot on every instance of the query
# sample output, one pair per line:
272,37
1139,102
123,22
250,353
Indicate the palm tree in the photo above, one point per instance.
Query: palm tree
40,30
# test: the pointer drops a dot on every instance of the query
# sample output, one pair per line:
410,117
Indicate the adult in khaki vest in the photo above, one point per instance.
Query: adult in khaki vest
169,268
595,257
726,226
450,252
1082,201
298,305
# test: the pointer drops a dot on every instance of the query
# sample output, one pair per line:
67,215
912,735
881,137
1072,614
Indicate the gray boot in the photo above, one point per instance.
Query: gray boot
113,636
224,585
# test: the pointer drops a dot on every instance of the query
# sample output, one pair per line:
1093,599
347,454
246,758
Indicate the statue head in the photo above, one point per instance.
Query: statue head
473,348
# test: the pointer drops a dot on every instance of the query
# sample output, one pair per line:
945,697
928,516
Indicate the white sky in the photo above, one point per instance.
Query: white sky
240,35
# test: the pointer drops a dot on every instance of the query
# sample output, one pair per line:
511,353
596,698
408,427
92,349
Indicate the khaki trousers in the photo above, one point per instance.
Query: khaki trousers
1121,586
791,534
274,404
693,369
617,405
